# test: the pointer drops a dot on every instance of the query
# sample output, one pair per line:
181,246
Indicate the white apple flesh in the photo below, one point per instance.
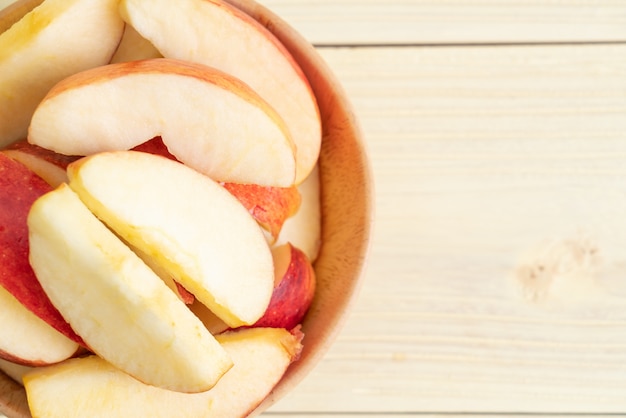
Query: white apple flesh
121,309
27,339
52,41
221,128
226,38
304,228
196,230
14,370
92,387
294,290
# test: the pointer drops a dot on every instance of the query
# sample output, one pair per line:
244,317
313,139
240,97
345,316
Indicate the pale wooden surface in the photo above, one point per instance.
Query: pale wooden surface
497,278
376,22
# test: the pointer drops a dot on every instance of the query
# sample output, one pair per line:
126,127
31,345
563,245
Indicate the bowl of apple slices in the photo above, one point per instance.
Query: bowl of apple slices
186,208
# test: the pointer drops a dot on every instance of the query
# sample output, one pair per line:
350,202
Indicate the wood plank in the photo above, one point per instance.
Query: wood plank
497,278
420,415
453,21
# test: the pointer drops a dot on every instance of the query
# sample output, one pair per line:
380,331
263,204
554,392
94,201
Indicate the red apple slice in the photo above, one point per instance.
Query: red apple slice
51,166
221,128
189,224
228,39
27,339
52,41
270,206
294,289
19,188
47,164
120,307
91,387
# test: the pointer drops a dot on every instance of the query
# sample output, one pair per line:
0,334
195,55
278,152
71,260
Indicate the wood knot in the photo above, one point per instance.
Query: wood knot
560,272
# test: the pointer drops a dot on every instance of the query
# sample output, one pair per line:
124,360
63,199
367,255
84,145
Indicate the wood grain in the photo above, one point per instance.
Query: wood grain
358,22
496,282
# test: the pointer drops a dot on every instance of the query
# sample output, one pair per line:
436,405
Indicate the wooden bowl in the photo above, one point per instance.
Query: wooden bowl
347,208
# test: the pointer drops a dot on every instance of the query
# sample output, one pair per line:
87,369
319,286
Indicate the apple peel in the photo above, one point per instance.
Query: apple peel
222,129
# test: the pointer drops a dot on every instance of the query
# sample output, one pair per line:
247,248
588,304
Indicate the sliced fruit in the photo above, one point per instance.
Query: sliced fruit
54,40
47,164
19,188
304,228
14,370
222,128
226,38
92,387
294,289
270,206
122,309
28,340
197,231
51,166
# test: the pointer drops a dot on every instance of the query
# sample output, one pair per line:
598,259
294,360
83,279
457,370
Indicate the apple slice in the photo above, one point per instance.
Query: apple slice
90,386
14,370
197,231
226,38
28,340
47,164
270,206
19,188
54,40
48,171
222,128
51,166
134,47
120,307
304,229
294,289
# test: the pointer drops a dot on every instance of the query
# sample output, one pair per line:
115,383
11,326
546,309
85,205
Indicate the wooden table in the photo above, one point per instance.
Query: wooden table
497,277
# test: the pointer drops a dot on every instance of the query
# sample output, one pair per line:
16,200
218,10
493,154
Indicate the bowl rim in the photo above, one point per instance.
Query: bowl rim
321,77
